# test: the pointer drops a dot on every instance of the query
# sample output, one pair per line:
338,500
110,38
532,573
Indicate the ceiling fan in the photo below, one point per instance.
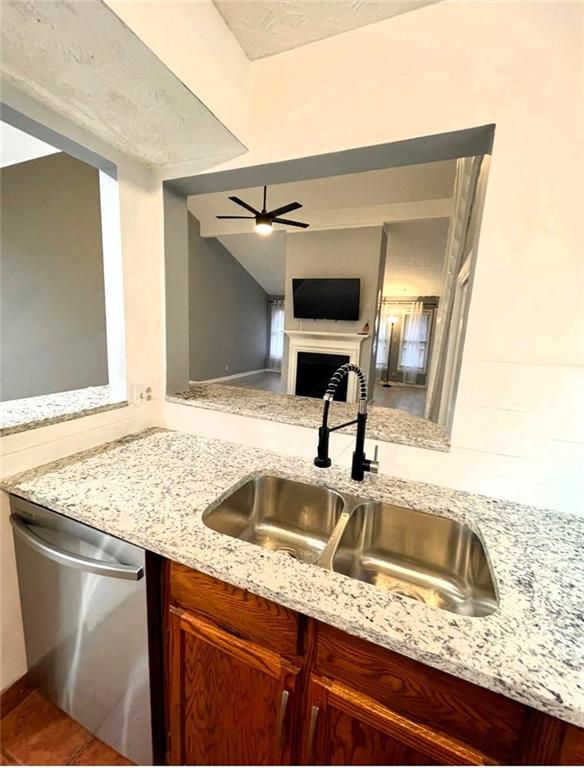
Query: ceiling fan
264,219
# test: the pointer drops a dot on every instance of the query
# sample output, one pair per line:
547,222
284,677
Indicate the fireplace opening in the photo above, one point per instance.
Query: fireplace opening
314,371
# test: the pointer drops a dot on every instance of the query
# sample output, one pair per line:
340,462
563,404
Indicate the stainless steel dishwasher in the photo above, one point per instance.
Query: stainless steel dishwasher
91,613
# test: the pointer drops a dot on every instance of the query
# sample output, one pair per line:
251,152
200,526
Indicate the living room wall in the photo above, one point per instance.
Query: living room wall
335,253
228,311
415,258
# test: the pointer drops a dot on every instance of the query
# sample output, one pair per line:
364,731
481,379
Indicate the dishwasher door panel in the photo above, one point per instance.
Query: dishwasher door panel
86,634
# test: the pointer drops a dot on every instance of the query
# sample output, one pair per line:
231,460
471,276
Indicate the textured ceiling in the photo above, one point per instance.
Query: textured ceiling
265,27
79,59
18,147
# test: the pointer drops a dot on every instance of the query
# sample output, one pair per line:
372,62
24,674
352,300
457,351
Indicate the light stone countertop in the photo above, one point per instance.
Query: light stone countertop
387,424
41,411
151,489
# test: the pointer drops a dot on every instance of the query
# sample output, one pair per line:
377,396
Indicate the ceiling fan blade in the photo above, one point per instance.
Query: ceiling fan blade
291,223
235,217
241,202
285,209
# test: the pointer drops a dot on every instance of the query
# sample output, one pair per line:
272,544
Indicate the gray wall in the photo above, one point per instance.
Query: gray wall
176,285
52,305
228,311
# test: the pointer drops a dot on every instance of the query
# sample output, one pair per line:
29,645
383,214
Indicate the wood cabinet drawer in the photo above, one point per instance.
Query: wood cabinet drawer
483,719
246,615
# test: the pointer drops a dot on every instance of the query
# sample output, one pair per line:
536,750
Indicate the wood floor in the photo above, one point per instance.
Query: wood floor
409,399
36,732
268,381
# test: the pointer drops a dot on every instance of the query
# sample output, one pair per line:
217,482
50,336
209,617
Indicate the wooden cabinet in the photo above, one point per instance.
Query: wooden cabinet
229,698
251,682
346,727
482,719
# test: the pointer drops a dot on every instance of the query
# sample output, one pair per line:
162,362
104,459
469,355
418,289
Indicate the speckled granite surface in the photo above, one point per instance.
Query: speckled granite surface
33,412
151,489
387,424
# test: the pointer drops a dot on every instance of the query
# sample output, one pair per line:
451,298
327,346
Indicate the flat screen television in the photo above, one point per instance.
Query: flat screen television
326,298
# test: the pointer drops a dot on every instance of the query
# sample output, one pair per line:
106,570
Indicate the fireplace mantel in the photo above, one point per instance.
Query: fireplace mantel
333,334
325,342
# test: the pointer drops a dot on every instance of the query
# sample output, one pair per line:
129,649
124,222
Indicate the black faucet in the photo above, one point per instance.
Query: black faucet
361,463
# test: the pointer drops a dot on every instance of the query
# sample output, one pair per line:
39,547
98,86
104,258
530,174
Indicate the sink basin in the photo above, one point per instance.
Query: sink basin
282,515
421,556
426,557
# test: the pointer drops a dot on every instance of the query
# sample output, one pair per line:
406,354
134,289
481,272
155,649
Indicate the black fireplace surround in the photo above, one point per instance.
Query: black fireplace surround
314,371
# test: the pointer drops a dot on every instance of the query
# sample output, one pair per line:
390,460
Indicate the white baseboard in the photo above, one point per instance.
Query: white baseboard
233,376
401,384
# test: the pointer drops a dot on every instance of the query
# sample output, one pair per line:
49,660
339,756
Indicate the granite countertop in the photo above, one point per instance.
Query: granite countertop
151,489
43,410
387,424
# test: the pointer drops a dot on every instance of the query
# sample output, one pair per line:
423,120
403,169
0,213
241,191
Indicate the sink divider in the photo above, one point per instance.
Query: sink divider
325,560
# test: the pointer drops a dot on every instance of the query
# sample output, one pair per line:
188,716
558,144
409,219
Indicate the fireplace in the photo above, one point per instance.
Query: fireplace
321,353
314,371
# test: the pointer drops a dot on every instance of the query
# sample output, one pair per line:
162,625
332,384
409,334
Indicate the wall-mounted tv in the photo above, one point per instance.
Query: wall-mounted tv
326,298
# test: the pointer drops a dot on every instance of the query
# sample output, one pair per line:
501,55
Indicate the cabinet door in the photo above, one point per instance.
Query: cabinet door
344,727
229,699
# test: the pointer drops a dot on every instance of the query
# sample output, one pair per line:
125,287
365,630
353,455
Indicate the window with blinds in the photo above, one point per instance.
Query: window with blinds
415,341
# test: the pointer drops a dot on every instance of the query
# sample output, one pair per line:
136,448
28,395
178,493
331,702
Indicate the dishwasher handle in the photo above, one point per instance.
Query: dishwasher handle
89,564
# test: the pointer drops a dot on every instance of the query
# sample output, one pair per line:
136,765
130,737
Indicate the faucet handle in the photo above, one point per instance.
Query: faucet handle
374,462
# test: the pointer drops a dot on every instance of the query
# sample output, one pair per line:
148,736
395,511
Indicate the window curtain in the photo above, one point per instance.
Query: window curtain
415,337
276,334
457,248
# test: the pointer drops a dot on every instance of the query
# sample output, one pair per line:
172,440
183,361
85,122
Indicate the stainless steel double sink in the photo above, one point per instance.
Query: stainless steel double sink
418,555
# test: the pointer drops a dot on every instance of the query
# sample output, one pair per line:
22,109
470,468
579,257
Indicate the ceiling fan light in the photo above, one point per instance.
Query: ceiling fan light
263,226
265,219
